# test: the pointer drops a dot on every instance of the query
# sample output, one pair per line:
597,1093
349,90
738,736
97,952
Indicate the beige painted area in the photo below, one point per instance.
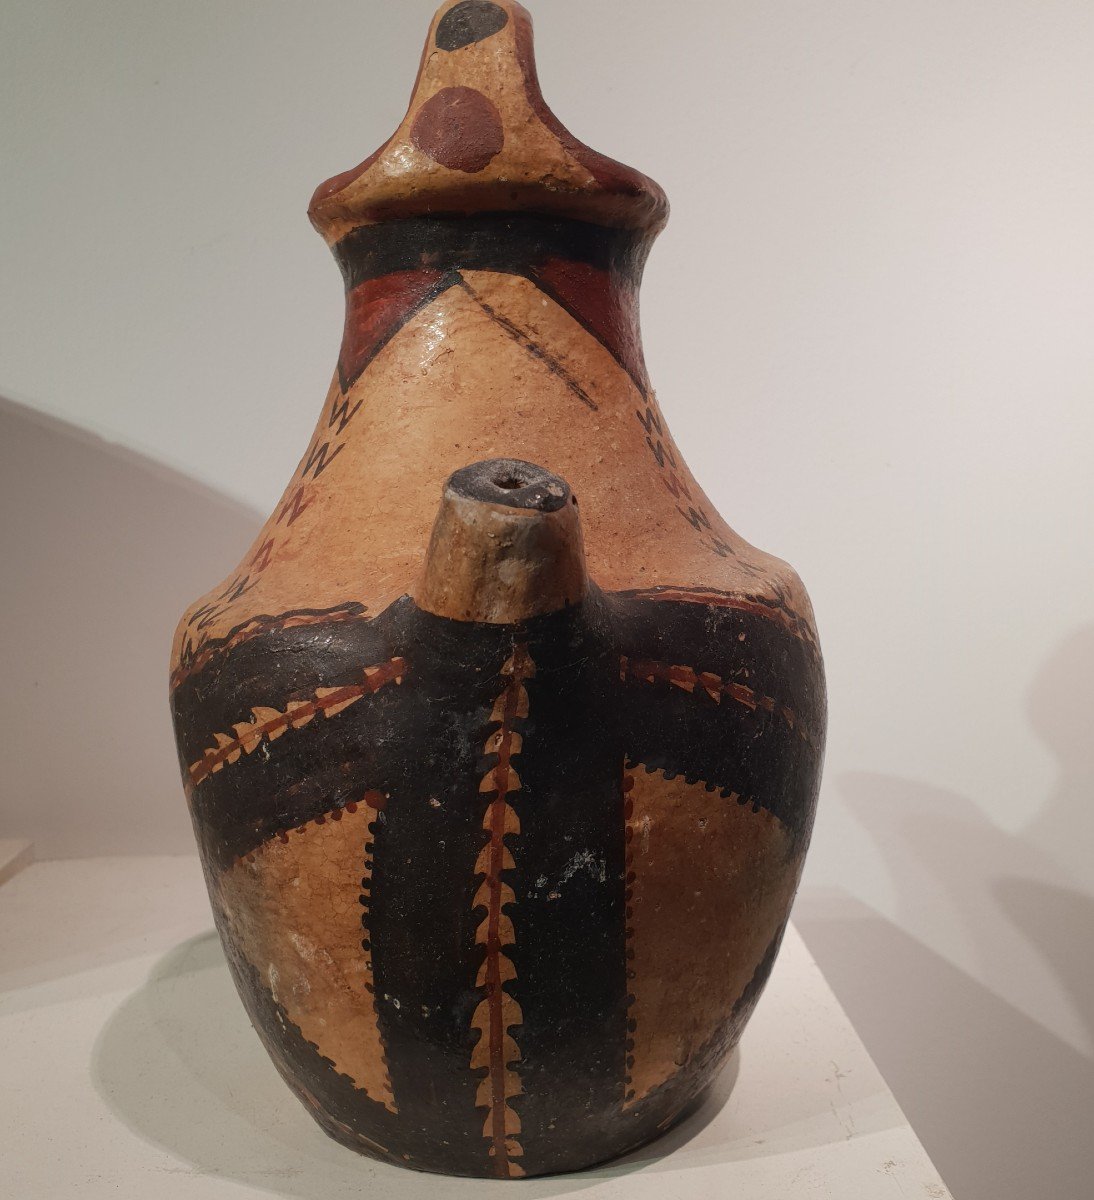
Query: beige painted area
293,907
453,387
713,881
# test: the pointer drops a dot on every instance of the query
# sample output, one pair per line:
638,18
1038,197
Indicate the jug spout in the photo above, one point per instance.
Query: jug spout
506,546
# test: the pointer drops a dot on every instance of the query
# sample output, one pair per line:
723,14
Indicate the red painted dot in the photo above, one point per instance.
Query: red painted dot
459,128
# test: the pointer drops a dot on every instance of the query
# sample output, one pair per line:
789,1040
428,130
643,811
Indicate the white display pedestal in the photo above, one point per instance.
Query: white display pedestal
130,1071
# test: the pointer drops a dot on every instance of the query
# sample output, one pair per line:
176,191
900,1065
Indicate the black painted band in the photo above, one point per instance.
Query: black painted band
498,241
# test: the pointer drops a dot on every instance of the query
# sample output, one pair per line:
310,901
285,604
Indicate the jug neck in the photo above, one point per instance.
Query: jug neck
395,268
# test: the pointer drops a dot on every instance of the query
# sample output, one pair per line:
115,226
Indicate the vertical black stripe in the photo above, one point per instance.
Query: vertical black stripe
569,881
422,923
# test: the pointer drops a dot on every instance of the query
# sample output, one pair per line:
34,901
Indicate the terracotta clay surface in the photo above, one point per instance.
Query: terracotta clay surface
502,748
293,904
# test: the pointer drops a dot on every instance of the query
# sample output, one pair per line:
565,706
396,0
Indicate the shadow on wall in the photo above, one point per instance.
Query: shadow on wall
1059,705
102,550
1002,1104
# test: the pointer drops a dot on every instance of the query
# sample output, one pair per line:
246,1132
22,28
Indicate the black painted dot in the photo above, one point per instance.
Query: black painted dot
470,21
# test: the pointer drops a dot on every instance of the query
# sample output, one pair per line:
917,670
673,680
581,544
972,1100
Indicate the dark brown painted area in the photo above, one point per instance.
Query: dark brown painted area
459,128
469,22
608,312
378,308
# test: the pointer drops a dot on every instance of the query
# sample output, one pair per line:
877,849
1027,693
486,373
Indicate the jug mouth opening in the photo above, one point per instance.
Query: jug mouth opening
478,136
511,482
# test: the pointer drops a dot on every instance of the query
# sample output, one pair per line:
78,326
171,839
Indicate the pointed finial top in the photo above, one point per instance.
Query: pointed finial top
478,136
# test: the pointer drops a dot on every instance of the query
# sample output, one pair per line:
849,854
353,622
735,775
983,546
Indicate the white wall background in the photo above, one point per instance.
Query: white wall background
870,326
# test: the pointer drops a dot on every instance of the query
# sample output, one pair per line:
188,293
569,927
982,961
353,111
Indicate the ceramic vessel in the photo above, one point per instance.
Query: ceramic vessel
502,788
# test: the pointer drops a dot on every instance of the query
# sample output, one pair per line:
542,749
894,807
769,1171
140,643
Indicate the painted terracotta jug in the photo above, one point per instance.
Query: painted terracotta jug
502,748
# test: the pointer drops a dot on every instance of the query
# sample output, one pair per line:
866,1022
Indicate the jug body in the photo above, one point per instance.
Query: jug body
502,747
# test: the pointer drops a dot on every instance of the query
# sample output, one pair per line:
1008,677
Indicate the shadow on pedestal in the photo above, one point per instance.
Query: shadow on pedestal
180,1066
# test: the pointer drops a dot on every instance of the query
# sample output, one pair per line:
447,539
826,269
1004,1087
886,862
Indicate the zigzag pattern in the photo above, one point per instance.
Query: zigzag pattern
688,679
496,1050
268,724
